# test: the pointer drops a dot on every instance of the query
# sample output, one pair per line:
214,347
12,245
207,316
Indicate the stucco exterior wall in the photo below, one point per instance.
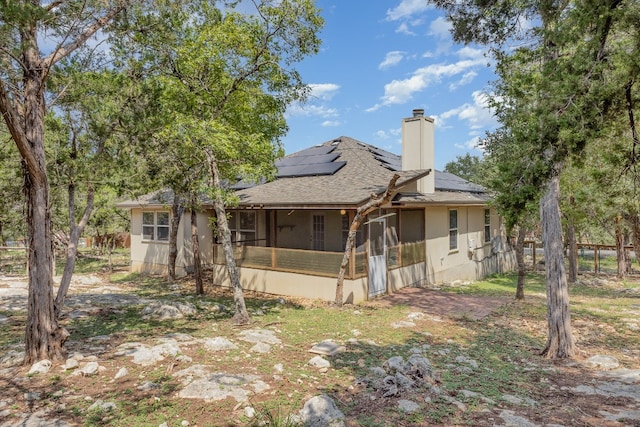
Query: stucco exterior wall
473,258
292,284
153,256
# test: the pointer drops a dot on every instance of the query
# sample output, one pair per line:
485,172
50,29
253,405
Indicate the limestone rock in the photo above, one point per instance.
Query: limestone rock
11,358
602,362
320,411
408,406
40,367
218,344
89,369
259,335
123,372
164,310
319,362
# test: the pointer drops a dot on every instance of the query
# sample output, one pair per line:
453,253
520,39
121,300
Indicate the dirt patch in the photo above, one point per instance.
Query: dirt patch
443,303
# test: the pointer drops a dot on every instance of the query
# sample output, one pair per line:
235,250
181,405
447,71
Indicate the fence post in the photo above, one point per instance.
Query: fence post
535,266
595,259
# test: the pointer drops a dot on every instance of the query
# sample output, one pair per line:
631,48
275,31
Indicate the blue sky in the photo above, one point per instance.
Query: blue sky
378,61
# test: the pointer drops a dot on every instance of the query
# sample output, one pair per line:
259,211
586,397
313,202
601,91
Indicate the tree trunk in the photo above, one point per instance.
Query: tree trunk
176,215
195,246
573,251
560,343
522,232
627,253
621,255
634,222
361,213
72,247
241,315
23,110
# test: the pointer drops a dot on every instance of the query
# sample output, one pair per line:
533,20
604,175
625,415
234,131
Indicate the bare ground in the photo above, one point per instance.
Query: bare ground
565,393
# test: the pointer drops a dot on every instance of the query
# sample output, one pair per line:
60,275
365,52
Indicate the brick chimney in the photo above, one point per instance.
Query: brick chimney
418,148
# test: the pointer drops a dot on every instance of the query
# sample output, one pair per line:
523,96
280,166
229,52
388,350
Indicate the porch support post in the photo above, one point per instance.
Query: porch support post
352,264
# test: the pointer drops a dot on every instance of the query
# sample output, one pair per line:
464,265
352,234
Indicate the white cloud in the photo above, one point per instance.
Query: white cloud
471,144
407,9
440,28
324,91
464,80
307,110
315,105
468,52
381,134
392,58
477,115
404,29
401,91
331,123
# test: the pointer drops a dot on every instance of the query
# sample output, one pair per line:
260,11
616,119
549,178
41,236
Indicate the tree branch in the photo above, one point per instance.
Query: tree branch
67,49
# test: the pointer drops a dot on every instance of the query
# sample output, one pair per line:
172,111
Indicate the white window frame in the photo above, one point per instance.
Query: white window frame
154,226
487,225
237,230
453,231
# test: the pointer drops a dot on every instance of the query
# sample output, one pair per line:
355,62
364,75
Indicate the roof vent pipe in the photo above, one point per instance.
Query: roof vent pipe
418,112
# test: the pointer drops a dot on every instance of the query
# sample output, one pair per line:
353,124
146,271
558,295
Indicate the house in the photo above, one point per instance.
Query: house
290,233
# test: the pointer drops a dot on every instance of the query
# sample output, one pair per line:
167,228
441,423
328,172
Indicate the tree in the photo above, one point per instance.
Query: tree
361,213
83,149
513,196
227,78
553,90
12,227
467,167
25,71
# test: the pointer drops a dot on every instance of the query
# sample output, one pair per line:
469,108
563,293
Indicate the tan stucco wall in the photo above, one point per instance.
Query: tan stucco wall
152,257
292,284
467,262
441,265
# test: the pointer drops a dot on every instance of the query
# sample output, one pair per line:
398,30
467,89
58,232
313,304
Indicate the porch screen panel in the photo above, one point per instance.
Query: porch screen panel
313,262
256,256
319,263
413,253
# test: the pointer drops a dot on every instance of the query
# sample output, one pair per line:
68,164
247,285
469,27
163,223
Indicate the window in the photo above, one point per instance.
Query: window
155,226
243,228
487,225
453,230
318,232
345,230
359,241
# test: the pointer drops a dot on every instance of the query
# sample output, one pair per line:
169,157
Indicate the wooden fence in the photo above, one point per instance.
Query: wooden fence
596,248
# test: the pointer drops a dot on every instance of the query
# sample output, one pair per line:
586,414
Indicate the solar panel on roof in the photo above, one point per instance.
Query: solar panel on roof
325,168
318,160
314,151
310,170
290,170
450,182
307,160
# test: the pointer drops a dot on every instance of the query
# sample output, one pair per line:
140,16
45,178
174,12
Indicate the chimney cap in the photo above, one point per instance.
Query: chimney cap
418,112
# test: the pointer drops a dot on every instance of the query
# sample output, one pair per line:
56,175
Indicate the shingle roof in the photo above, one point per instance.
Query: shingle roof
360,174
340,172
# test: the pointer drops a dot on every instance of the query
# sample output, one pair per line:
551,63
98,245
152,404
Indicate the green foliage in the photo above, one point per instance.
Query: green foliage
468,167
12,225
568,83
